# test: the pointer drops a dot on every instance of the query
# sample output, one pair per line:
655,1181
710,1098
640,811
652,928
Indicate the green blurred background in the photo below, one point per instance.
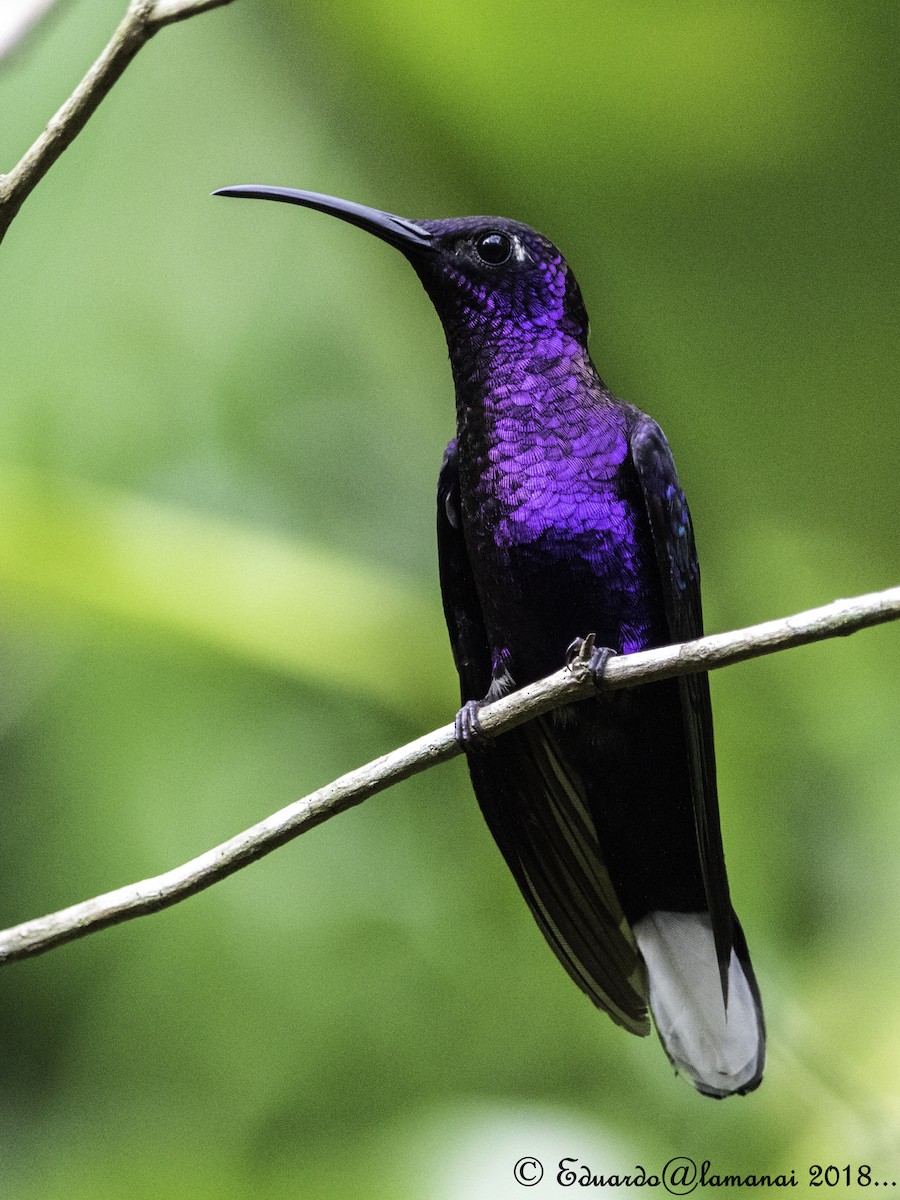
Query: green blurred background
220,428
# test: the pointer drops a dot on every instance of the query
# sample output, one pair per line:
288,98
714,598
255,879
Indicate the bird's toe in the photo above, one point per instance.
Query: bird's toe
467,727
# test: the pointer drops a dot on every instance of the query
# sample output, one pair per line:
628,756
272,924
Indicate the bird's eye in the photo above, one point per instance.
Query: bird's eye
493,248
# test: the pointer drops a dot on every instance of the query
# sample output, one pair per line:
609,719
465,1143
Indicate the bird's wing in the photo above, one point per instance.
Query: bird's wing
535,806
679,571
462,608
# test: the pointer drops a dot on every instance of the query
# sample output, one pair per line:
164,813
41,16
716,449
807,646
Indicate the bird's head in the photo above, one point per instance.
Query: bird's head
490,279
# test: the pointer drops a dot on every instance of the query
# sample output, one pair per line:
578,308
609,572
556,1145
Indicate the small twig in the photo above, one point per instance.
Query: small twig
142,20
567,685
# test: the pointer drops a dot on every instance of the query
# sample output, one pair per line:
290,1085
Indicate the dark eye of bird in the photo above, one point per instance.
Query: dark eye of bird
493,248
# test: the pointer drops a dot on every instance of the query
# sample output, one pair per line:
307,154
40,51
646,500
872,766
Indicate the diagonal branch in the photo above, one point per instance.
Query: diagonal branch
142,20
567,685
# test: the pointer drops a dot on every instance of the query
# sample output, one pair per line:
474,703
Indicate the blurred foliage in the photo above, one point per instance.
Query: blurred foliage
221,426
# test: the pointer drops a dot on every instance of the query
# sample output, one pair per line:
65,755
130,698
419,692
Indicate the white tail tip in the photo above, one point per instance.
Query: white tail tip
721,1053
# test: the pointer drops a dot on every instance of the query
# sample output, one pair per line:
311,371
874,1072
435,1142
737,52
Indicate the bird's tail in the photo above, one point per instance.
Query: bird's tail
722,1051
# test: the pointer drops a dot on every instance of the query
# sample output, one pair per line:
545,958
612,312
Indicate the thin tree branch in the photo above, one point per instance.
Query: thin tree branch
142,20
567,685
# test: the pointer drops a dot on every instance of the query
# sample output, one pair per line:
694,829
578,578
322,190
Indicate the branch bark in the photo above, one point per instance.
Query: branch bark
142,20
564,687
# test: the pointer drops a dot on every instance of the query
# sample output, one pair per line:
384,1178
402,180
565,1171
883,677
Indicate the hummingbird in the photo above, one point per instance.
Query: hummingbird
563,531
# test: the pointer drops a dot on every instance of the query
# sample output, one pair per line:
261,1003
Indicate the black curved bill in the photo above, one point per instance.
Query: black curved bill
399,232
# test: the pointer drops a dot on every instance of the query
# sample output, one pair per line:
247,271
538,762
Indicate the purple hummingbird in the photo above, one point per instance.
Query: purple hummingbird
560,515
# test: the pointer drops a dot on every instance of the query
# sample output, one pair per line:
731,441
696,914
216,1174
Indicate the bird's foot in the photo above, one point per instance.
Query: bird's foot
586,659
467,727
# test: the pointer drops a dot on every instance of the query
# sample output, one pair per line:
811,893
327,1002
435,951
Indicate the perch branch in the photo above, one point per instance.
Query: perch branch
567,685
142,20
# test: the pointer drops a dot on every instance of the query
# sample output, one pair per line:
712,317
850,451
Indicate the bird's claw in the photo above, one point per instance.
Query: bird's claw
467,727
579,651
586,659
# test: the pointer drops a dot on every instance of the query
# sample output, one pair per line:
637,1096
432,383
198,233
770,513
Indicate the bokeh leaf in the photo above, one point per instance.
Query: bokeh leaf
288,607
